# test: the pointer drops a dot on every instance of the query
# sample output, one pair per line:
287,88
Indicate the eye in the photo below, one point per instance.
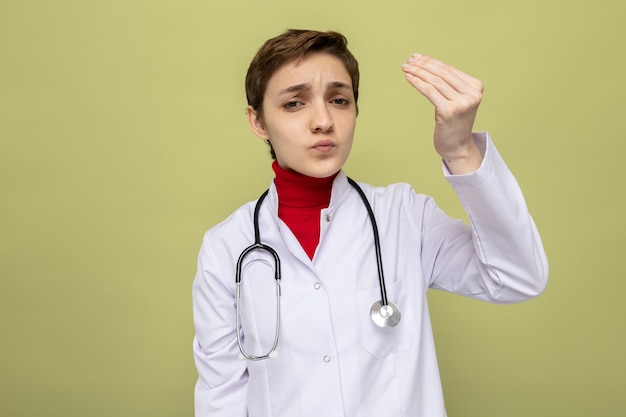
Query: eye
340,101
292,104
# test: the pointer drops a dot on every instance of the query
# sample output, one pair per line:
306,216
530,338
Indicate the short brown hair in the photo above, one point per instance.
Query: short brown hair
294,45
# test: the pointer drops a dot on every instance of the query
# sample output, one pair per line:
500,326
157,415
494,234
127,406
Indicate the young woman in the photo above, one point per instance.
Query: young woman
350,333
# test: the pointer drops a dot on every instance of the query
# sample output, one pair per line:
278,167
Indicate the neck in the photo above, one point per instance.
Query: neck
299,190
300,200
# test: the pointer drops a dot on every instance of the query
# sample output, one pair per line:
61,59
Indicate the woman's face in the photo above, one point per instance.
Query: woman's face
309,115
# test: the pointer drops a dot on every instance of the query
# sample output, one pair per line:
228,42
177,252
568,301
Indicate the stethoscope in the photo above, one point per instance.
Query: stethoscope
384,313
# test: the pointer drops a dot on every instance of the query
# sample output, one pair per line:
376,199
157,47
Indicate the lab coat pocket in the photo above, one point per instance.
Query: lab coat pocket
379,341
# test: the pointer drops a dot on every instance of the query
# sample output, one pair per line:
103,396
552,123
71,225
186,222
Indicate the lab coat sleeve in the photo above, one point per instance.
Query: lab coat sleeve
501,257
221,388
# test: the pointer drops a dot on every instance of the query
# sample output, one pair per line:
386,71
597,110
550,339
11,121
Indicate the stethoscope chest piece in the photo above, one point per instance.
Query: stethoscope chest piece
385,315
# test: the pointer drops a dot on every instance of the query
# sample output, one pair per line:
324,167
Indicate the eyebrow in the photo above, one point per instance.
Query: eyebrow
307,86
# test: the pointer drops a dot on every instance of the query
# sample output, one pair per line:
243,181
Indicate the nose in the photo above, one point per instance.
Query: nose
321,120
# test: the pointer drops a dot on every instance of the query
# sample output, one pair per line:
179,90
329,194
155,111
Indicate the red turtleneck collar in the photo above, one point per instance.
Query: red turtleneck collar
300,200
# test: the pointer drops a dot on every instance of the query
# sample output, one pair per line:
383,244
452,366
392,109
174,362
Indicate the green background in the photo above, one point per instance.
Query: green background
123,138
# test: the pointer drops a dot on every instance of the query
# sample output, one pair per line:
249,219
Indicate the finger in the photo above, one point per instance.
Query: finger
431,68
455,76
457,79
441,92
448,84
432,86
429,91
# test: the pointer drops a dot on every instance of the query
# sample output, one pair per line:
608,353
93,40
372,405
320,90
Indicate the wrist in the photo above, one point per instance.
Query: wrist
464,159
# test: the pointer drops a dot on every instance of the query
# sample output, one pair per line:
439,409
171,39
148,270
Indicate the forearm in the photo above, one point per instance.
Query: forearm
506,242
222,378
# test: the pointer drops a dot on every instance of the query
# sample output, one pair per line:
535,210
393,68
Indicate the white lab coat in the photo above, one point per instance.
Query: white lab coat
332,360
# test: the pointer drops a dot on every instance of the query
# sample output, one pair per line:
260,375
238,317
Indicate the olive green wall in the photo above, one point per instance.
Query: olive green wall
123,138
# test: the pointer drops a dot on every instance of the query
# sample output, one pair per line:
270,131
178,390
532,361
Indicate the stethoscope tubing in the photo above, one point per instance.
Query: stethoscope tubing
257,245
379,257
384,314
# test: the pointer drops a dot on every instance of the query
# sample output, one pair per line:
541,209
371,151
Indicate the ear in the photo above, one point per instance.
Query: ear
256,124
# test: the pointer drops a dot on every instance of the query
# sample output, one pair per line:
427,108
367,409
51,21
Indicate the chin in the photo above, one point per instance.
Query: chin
320,168
324,171
325,174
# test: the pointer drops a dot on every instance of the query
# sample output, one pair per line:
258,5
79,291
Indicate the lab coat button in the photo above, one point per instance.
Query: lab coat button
326,358
317,285
328,217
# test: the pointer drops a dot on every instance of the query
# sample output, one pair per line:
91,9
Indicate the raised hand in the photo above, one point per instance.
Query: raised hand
456,97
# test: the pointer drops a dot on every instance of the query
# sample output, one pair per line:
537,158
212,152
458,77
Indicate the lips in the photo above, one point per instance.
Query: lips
324,146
